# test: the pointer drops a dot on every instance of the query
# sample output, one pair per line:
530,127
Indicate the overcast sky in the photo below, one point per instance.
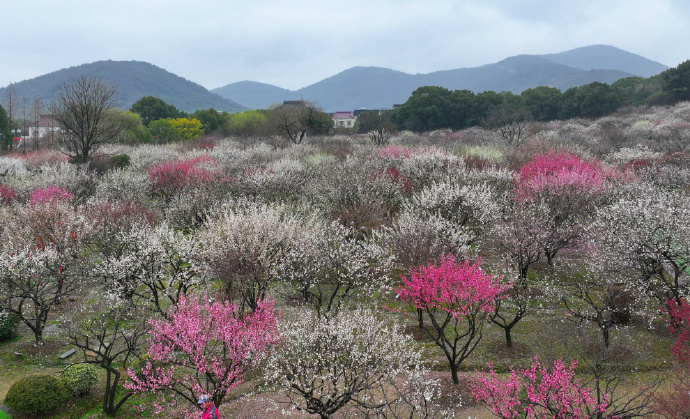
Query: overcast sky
294,43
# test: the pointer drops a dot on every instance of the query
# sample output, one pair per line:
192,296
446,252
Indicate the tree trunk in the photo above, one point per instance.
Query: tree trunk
454,373
509,338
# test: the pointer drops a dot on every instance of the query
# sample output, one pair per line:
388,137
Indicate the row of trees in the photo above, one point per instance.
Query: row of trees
292,120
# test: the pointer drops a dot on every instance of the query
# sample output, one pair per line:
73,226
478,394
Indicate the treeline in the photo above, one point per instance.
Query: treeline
165,123
431,107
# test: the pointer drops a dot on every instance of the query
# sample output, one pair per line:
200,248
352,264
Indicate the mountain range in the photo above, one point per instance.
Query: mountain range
134,80
380,88
354,88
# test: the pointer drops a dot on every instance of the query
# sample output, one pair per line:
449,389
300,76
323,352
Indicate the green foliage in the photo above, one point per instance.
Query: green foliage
133,131
162,131
544,103
634,90
36,393
245,124
5,133
677,78
211,119
592,100
79,378
8,326
432,107
121,161
171,130
152,108
186,128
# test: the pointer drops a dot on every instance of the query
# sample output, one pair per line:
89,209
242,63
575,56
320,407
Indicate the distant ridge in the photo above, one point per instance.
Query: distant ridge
375,87
134,80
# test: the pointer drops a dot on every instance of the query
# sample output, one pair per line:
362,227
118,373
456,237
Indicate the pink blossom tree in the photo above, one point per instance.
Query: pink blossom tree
457,298
204,348
7,194
567,186
537,392
679,323
49,194
170,178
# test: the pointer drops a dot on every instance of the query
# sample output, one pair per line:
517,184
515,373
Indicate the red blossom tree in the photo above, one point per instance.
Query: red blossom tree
537,392
204,348
457,298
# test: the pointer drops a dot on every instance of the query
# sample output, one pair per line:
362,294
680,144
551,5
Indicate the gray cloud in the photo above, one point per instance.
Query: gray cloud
293,44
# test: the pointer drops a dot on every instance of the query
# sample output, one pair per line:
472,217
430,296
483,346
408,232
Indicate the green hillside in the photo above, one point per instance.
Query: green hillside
134,80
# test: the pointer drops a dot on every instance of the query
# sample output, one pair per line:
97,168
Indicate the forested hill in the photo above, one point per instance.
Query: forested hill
373,87
134,80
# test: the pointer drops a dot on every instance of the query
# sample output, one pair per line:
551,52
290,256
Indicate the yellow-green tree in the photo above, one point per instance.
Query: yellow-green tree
187,129
178,129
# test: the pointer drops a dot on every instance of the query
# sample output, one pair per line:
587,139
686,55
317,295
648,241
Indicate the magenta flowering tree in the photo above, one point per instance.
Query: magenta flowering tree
538,392
559,173
49,194
679,323
204,348
457,297
170,178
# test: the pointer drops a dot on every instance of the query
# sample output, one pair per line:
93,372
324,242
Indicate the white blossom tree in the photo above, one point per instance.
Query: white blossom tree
352,362
645,237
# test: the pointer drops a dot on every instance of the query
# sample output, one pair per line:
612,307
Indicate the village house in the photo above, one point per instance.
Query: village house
46,125
344,120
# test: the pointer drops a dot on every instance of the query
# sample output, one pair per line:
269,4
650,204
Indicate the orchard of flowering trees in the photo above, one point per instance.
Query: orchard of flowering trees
445,273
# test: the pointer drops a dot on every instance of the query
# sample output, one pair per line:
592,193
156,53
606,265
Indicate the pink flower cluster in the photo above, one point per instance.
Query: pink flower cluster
394,175
559,173
205,348
393,152
6,195
457,288
49,194
170,177
679,323
537,392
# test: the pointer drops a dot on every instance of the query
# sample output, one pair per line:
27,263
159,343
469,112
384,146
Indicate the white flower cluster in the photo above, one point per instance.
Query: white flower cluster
646,233
354,362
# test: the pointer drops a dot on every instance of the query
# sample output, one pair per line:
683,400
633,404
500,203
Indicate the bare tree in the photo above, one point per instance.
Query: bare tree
294,119
81,108
512,124
36,110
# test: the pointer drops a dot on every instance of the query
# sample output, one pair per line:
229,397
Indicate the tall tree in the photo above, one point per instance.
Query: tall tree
11,102
5,131
80,107
152,108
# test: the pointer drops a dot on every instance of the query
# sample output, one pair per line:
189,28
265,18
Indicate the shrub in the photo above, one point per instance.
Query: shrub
8,326
121,161
35,393
79,378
